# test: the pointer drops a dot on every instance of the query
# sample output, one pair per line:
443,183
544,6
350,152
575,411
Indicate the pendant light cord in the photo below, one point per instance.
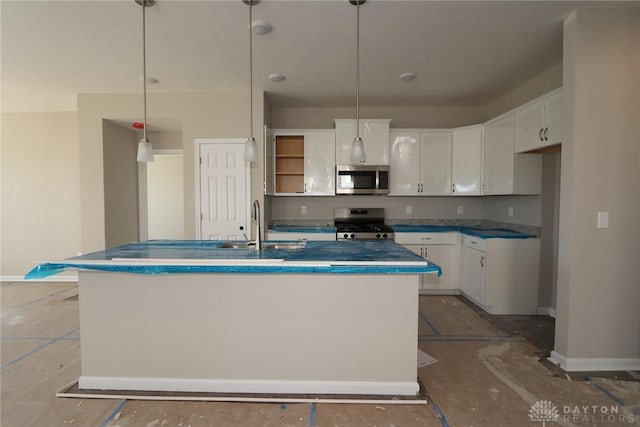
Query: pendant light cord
144,67
358,69
250,70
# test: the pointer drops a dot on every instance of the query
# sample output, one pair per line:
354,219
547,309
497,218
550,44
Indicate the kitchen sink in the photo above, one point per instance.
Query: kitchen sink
290,246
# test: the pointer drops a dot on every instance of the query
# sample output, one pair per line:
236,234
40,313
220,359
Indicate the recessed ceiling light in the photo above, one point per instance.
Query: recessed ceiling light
277,77
261,27
407,77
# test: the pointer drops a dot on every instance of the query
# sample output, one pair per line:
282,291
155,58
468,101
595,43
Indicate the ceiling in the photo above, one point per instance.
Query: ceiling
461,51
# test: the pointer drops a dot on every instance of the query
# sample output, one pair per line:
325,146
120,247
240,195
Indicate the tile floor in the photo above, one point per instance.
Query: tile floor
485,376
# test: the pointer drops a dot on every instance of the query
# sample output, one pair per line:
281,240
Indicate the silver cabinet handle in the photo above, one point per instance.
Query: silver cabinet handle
422,252
305,187
540,134
426,252
482,261
453,188
546,130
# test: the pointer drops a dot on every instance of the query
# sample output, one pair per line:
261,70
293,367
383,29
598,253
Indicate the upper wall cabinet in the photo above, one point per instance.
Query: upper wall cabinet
539,124
420,162
466,162
300,162
375,135
505,172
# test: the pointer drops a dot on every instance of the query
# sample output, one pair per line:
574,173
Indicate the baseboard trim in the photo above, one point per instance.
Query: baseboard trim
593,364
54,279
546,311
440,292
249,386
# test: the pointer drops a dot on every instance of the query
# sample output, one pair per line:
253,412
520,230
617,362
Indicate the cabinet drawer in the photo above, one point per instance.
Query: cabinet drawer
474,242
426,238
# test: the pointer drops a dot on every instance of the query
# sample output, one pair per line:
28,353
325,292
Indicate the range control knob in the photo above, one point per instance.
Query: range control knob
384,236
378,236
346,236
353,236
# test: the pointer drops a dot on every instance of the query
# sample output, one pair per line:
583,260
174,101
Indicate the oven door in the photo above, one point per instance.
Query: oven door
362,179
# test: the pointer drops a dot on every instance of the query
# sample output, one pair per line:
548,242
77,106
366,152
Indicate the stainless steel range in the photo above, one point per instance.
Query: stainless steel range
361,223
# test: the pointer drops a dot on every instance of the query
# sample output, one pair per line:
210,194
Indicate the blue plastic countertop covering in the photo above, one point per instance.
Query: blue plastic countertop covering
483,233
357,252
302,229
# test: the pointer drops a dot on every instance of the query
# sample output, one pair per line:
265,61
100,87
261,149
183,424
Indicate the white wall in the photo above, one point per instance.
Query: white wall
40,190
598,293
120,184
199,115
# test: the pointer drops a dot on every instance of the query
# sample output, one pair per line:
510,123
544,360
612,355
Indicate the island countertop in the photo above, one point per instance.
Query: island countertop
204,256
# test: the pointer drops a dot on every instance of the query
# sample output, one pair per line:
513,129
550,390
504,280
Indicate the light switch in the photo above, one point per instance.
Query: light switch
603,219
409,210
303,210
460,209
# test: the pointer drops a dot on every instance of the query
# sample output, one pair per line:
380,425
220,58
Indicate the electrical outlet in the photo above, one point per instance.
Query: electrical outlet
460,209
409,210
603,219
303,210
510,211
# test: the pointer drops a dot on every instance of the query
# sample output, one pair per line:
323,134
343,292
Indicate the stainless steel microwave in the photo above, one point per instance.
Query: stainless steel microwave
362,179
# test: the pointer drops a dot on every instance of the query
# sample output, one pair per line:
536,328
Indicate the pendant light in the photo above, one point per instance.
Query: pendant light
357,146
145,151
250,146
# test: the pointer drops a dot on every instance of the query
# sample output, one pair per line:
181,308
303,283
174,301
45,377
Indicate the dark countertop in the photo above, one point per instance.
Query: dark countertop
204,256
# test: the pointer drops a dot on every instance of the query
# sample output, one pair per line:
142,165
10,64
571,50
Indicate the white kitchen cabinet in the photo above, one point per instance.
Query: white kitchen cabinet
303,162
441,248
269,183
420,162
539,123
466,162
505,172
375,136
286,235
501,275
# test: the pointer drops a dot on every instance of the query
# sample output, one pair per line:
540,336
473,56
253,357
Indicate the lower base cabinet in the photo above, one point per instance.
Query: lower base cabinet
441,249
501,275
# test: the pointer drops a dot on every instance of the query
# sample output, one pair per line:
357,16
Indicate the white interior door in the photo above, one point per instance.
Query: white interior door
165,198
223,179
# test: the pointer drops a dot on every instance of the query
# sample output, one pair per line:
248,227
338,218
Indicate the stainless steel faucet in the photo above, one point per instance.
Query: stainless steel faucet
256,217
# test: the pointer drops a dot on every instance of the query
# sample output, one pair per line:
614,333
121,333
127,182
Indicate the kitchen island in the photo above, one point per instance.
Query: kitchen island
319,317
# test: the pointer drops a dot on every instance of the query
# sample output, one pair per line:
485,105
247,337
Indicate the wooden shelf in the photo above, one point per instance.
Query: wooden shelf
289,166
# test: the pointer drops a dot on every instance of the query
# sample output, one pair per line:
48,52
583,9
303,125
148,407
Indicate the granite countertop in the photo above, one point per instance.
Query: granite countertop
204,256
481,232
302,228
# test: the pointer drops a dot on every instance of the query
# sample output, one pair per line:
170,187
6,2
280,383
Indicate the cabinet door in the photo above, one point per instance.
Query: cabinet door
499,156
319,163
553,120
269,162
474,274
345,132
404,169
529,127
466,171
444,256
375,135
435,163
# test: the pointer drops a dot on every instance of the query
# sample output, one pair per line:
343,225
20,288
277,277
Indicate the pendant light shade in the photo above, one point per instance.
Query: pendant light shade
251,150
357,153
250,146
145,150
